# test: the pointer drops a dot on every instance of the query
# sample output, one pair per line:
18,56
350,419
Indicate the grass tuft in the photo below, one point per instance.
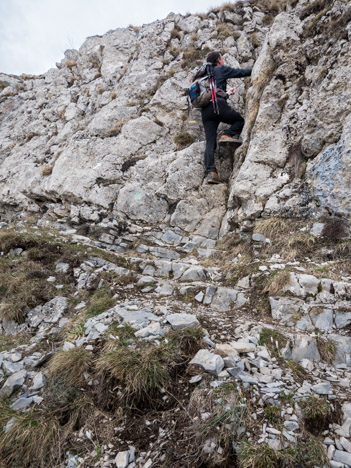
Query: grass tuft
33,440
182,140
71,365
326,349
277,283
100,301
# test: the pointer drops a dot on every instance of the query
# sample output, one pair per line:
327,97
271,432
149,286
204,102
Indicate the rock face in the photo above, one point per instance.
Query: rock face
298,128
99,139
96,135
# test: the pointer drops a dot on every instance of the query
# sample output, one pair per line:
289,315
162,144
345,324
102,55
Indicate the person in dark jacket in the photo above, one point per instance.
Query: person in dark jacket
226,114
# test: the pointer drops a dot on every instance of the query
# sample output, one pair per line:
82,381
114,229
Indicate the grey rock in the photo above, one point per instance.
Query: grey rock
62,268
122,459
284,308
323,388
317,229
164,289
342,457
146,281
38,381
210,292
199,297
346,444
14,382
226,299
323,320
305,348
342,319
164,253
22,403
242,375
171,237
259,238
211,363
291,425
195,273
12,367
335,464
9,425
182,321
154,329
137,316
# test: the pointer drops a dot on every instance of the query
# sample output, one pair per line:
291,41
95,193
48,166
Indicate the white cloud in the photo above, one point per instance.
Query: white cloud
35,33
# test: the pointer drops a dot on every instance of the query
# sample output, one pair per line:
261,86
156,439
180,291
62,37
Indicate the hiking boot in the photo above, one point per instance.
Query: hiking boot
213,178
230,139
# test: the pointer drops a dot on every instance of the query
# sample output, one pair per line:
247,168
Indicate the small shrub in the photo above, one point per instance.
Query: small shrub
192,56
183,140
71,63
175,33
143,371
223,31
272,414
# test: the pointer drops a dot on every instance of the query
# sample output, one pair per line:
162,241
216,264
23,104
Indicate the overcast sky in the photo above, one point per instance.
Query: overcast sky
35,33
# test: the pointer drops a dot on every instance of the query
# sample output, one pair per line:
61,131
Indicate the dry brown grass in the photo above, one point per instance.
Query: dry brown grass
71,365
182,140
286,238
46,170
273,228
228,411
143,371
326,349
277,283
33,440
23,285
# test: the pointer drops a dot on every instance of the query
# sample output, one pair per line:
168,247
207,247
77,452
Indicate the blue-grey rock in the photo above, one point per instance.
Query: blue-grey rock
329,176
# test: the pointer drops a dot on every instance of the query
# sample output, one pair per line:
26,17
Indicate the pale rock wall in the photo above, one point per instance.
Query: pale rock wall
95,136
296,152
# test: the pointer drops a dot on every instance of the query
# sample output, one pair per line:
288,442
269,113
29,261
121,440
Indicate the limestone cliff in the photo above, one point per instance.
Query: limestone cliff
96,135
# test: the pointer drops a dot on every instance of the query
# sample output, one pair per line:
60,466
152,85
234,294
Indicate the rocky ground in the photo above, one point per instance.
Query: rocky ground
149,347
146,318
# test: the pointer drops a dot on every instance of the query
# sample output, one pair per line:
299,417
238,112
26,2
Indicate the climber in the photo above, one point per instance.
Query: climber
226,114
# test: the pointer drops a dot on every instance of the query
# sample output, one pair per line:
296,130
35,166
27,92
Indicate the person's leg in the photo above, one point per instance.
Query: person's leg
210,126
230,116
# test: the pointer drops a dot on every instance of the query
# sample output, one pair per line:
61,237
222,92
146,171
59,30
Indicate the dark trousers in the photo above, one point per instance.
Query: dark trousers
211,120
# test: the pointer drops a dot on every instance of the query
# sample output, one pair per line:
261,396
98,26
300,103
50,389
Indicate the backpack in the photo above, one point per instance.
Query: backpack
203,90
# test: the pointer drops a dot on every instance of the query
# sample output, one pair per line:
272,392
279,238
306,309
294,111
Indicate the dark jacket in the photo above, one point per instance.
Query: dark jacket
223,73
